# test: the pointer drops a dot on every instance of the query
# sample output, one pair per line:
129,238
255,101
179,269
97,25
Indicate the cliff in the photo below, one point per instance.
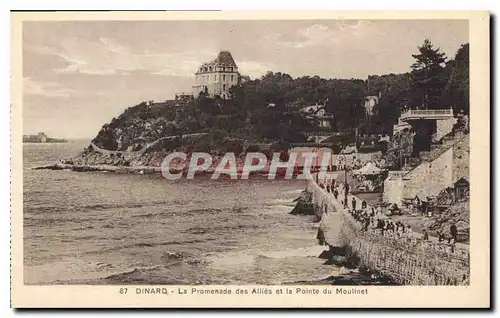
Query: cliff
144,134
151,155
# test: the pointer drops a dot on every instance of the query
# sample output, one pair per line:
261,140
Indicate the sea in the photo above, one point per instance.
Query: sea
110,228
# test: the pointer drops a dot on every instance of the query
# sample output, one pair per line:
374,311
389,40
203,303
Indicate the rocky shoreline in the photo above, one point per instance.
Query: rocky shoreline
103,168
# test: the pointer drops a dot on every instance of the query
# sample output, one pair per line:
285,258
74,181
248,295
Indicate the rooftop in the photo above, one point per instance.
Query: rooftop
225,58
311,108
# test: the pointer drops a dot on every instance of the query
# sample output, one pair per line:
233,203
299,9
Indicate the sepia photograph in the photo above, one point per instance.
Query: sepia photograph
306,153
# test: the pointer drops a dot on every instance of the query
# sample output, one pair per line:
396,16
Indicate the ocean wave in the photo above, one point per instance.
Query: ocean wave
173,256
279,208
95,207
195,230
202,211
65,270
296,191
82,238
150,244
285,202
238,209
44,220
132,271
218,228
183,212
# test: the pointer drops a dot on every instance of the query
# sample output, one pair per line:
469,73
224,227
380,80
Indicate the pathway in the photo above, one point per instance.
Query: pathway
141,151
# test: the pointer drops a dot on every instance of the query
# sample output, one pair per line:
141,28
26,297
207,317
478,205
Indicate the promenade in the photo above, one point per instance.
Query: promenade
419,261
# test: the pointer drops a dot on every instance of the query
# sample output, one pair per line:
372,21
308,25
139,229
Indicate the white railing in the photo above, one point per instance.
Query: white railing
427,113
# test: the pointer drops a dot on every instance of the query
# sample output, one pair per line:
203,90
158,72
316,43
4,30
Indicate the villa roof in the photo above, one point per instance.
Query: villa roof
225,58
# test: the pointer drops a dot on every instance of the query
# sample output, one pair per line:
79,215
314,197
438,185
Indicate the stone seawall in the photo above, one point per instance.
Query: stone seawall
438,174
407,260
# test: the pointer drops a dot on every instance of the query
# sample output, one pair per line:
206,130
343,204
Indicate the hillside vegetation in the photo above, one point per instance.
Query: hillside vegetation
265,110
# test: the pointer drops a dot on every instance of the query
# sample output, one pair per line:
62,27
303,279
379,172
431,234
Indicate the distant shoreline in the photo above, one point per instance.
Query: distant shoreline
107,168
135,169
46,142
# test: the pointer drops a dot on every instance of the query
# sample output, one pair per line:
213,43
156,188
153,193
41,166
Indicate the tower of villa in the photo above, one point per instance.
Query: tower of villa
216,77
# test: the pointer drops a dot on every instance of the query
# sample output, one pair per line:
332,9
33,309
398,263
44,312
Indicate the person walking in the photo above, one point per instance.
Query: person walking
408,230
426,236
453,231
346,191
363,205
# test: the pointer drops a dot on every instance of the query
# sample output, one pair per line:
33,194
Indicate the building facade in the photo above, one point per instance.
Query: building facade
318,116
370,102
216,78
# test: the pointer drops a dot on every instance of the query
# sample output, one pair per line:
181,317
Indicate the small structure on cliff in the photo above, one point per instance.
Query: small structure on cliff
430,125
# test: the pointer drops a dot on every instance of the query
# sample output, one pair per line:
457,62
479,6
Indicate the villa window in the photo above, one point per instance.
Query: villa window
223,78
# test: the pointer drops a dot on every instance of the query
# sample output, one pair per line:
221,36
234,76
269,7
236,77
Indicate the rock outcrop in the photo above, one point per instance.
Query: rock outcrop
304,204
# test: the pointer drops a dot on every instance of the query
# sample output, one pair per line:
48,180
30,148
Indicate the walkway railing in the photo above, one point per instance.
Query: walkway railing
430,246
427,113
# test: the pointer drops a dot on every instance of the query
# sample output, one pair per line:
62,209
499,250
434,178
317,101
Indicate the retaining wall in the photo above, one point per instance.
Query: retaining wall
406,260
430,177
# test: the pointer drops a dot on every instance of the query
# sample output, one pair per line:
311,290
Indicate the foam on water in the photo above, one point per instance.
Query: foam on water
91,227
73,269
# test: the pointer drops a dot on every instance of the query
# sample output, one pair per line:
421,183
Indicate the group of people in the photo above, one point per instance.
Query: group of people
372,219
330,186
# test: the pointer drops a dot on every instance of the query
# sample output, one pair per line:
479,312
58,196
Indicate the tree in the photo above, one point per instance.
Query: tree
427,77
399,149
457,87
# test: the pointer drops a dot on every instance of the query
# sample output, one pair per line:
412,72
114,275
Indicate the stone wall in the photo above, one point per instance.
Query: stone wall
393,187
405,260
461,159
430,177
444,127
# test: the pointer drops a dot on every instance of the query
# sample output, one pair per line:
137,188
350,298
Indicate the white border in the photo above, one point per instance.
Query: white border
148,5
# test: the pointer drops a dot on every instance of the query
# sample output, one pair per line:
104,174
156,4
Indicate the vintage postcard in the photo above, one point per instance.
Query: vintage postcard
250,159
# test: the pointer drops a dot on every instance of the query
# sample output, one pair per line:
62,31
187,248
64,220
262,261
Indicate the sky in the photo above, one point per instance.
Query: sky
78,75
